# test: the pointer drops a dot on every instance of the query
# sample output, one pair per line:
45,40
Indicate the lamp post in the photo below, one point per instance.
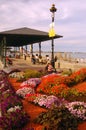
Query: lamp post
52,10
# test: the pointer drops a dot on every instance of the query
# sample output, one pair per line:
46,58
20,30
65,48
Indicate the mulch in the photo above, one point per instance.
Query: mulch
34,110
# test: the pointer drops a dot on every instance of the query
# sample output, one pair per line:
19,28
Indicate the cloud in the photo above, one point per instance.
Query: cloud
69,19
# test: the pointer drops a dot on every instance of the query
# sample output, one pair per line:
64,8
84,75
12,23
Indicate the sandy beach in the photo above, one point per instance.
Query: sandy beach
26,64
70,65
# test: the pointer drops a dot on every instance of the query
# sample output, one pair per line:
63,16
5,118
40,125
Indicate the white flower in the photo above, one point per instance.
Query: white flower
23,91
77,109
12,109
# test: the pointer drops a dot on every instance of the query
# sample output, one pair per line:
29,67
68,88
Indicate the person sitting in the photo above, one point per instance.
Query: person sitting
9,61
40,59
49,68
37,58
47,59
33,60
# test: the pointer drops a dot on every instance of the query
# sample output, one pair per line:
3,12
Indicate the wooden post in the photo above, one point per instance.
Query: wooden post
40,49
4,42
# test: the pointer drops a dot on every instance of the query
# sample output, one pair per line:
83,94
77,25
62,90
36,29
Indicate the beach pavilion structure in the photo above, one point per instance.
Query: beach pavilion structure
21,37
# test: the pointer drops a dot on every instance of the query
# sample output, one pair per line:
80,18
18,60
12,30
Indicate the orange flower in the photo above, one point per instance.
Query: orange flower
56,89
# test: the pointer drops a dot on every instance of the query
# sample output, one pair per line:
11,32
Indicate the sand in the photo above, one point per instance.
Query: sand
26,64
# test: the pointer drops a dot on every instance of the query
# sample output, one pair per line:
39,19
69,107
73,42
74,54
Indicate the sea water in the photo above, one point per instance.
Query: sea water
79,56
72,54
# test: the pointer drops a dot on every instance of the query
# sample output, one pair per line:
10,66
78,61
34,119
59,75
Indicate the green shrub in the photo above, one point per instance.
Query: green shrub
67,72
72,95
57,119
32,74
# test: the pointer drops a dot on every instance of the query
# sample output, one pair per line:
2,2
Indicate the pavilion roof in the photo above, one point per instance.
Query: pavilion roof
24,36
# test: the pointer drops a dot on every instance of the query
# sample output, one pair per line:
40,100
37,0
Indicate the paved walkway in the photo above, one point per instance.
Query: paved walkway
21,64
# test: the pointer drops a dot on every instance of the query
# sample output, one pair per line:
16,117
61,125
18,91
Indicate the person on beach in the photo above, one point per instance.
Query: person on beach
58,63
56,58
9,61
49,68
37,58
47,59
33,60
25,56
40,59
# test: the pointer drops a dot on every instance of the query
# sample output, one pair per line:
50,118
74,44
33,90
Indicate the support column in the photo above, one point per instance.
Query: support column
40,49
26,49
5,50
31,49
2,51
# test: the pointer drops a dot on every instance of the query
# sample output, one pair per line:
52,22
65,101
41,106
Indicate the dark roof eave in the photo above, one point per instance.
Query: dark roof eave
21,38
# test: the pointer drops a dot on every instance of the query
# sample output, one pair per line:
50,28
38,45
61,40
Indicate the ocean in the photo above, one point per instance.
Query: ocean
81,55
75,55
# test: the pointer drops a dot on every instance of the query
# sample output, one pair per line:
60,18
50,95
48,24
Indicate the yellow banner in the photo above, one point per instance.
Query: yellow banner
51,32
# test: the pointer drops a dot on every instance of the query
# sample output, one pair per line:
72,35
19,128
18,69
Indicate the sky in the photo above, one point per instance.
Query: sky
70,21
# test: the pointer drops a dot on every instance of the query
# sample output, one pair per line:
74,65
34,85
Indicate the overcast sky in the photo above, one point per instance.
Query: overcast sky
70,20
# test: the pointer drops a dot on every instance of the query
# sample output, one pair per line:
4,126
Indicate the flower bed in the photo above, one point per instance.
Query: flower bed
12,115
45,101
30,108
25,90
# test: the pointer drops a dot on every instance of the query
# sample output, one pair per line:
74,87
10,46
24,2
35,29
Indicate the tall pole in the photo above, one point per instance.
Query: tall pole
52,10
40,48
52,57
31,49
4,39
26,49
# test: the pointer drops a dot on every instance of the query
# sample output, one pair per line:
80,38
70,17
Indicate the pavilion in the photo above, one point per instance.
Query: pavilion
21,37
